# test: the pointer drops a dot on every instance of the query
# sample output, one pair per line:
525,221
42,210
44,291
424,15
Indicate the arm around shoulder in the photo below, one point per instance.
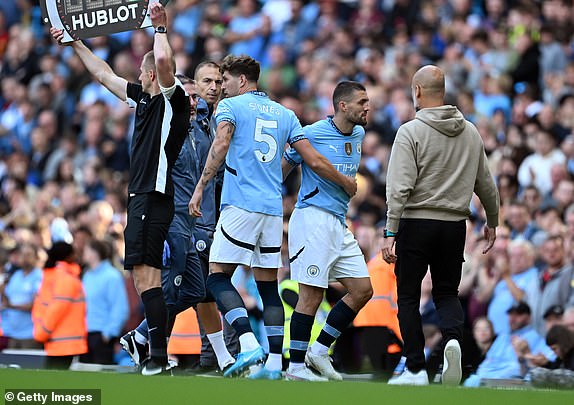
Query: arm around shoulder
321,165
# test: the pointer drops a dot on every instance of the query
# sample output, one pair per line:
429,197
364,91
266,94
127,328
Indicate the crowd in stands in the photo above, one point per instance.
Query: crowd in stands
509,65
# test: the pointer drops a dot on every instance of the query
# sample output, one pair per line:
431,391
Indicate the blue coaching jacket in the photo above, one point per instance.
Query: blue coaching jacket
203,138
185,174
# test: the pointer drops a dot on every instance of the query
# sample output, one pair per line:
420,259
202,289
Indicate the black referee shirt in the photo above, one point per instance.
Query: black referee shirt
161,125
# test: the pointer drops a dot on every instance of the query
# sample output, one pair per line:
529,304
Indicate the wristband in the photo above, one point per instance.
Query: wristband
389,234
161,29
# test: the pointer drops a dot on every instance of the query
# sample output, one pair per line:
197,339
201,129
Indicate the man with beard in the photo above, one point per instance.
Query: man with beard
252,130
321,247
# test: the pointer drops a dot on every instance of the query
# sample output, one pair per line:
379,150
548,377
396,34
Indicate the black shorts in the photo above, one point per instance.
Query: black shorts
149,217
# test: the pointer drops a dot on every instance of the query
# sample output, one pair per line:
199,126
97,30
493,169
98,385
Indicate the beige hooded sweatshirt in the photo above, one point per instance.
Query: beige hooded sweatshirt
436,163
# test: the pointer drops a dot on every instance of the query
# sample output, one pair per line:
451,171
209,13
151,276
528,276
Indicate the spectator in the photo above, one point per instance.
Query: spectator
562,195
558,374
527,69
299,28
549,220
553,316
547,118
248,30
552,56
514,273
367,21
21,59
480,268
554,284
532,198
536,168
520,222
186,20
278,77
503,362
507,187
483,336
18,298
106,303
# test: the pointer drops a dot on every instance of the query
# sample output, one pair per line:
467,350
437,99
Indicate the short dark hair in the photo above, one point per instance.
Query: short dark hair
241,65
562,336
204,64
344,92
103,248
59,252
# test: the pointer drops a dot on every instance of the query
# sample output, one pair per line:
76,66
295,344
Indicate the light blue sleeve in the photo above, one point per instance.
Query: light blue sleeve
291,154
119,306
225,112
540,347
296,132
292,157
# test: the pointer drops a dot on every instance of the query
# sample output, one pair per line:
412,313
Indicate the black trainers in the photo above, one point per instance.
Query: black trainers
150,367
196,369
136,350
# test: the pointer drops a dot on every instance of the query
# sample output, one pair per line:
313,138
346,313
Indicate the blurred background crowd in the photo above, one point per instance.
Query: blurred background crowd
65,140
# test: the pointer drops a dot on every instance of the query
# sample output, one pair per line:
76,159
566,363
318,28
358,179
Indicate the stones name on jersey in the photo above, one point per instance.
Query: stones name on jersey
266,108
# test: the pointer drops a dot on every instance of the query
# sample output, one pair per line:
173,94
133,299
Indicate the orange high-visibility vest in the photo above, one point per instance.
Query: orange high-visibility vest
185,337
59,311
382,309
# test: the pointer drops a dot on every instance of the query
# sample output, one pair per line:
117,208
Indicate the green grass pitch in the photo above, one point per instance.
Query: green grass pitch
133,389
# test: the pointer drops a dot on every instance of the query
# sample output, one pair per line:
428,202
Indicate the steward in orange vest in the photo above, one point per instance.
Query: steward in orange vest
382,309
59,311
380,313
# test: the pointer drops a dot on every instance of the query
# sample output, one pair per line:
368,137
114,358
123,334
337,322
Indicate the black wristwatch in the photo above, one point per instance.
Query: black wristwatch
161,29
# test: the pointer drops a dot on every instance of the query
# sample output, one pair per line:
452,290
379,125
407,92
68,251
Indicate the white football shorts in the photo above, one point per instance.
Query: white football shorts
322,249
249,238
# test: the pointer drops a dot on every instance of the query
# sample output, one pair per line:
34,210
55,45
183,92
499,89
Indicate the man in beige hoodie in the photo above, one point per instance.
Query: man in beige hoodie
437,162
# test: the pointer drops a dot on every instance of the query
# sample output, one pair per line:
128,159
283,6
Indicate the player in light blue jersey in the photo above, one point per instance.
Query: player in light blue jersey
252,131
321,247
